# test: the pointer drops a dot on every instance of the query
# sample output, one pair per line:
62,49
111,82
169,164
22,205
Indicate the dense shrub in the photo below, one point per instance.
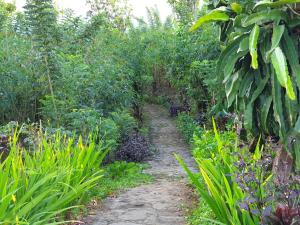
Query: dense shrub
135,148
126,123
17,85
188,127
205,145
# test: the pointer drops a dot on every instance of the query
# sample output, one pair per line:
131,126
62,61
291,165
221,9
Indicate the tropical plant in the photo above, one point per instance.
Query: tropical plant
260,65
188,127
222,172
41,19
39,187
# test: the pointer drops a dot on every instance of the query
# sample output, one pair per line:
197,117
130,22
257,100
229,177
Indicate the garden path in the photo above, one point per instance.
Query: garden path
166,200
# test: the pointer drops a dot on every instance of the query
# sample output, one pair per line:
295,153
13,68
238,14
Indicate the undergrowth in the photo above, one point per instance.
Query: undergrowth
49,185
119,176
203,210
238,185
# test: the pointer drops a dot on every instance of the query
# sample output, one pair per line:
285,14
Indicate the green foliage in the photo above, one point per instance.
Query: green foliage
125,122
205,145
264,37
205,212
202,83
116,13
185,10
39,188
188,127
121,175
219,186
41,20
192,65
6,9
17,95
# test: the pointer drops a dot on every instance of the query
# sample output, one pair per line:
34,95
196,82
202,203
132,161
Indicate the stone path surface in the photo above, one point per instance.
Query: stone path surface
164,201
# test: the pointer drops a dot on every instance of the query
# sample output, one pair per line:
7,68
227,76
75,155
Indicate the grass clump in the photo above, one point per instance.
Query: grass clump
39,187
122,175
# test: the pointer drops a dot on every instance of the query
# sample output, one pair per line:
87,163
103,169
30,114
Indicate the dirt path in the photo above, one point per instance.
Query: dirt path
164,202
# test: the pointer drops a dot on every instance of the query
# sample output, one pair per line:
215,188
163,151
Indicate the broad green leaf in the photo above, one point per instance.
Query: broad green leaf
291,111
276,37
278,105
232,88
290,49
253,39
294,23
265,110
250,107
264,16
231,49
231,63
246,84
265,47
258,151
213,16
281,69
244,45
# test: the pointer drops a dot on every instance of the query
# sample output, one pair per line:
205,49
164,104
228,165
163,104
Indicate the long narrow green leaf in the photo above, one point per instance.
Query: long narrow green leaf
278,105
264,16
253,39
290,49
265,110
281,69
278,31
213,16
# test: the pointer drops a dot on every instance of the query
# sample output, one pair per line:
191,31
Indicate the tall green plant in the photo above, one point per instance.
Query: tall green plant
260,65
219,186
42,23
39,187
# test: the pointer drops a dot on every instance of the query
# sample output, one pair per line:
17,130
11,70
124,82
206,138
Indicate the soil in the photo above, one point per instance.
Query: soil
168,198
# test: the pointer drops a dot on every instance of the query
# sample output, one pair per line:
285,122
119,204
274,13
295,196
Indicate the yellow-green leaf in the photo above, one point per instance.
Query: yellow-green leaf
278,31
237,8
213,16
281,69
253,39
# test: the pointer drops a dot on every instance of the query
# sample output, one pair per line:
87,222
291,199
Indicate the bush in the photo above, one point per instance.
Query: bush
126,123
205,145
188,127
119,169
109,132
134,149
